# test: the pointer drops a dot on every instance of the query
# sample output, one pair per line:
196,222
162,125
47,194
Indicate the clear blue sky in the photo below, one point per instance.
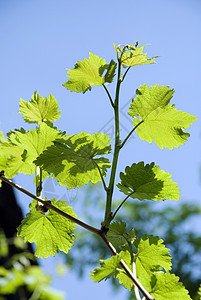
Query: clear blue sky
40,38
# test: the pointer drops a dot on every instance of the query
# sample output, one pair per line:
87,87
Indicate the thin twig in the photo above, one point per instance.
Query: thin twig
101,175
109,96
123,143
126,73
48,205
114,214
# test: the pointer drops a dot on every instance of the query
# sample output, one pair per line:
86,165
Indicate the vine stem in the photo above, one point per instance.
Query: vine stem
116,150
123,143
48,204
99,232
109,96
114,214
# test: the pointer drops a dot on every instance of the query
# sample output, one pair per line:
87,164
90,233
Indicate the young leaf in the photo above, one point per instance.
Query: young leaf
133,56
152,255
161,121
148,182
110,71
11,160
73,161
50,232
107,269
39,109
24,147
85,74
118,235
167,286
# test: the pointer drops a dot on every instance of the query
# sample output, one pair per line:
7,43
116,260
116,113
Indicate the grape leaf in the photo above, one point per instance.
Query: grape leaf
24,147
168,287
86,73
118,235
148,182
73,161
110,71
161,121
151,255
50,232
107,269
11,160
39,109
133,56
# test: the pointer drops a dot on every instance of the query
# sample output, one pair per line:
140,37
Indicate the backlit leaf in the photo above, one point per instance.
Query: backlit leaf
161,121
75,161
50,232
148,182
85,74
39,109
133,56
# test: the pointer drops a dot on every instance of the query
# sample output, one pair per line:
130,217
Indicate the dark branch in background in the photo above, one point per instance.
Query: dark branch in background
100,232
10,218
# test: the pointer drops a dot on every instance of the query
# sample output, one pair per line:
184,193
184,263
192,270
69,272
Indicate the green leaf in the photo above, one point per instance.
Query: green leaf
50,232
152,255
107,269
148,182
85,74
111,267
133,56
22,148
168,287
74,161
118,235
161,121
11,160
39,109
110,71
1,136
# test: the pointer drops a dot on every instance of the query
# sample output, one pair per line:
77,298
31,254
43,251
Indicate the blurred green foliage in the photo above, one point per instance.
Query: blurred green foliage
18,277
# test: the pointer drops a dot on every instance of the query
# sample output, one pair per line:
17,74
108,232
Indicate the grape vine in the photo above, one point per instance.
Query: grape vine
142,265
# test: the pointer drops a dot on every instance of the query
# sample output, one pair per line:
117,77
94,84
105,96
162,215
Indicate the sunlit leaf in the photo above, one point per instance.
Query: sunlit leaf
39,109
75,161
85,74
50,232
148,182
161,121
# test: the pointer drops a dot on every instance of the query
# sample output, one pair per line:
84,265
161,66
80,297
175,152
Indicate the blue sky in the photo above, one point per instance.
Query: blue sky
40,39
